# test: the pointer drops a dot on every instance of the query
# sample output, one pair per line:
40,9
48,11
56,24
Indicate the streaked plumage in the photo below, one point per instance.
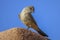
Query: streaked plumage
26,17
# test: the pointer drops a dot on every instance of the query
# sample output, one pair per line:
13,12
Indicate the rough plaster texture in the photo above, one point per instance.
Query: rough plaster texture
20,34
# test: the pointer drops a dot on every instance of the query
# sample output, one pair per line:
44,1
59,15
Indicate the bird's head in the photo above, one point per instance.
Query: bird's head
28,9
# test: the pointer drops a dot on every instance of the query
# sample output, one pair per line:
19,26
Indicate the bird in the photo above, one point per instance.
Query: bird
26,17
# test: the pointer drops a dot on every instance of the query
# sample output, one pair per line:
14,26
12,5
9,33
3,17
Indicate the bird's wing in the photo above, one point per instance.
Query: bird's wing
36,26
32,19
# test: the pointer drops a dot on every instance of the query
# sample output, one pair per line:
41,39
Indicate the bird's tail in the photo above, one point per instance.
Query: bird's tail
42,33
35,26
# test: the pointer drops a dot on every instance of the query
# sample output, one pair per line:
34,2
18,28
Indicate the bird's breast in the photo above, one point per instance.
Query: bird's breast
23,16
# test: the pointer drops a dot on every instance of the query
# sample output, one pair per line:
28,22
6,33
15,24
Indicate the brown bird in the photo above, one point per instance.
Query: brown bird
26,17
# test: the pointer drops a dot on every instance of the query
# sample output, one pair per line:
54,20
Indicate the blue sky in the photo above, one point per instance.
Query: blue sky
47,15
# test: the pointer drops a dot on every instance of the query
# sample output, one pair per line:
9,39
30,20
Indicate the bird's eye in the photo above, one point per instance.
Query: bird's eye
31,8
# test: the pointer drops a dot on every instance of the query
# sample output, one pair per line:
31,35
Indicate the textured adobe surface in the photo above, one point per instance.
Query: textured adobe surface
20,34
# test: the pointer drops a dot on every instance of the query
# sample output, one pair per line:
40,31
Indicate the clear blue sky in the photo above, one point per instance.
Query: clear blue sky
47,15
